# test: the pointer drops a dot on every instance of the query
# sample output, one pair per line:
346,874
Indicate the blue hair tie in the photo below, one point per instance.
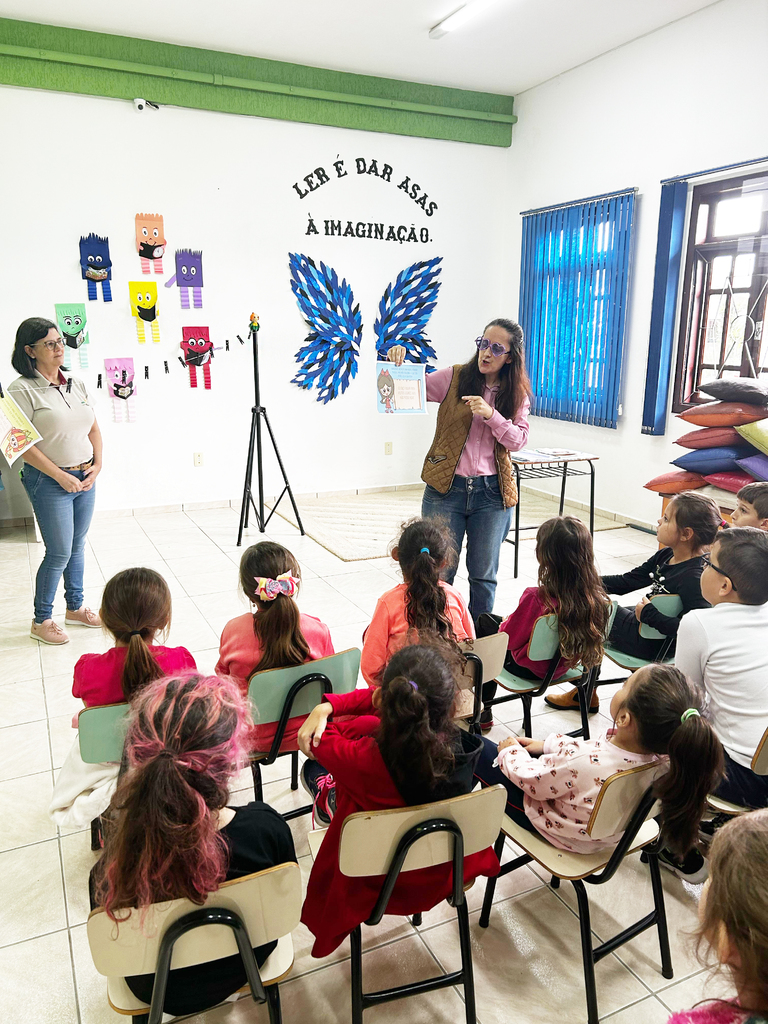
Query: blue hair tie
425,549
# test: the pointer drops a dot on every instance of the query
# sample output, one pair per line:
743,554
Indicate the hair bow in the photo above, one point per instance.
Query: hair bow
268,590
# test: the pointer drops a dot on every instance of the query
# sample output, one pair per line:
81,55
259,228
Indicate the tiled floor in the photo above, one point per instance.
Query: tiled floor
527,964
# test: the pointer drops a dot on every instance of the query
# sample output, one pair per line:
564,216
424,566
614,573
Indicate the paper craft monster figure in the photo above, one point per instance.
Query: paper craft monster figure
386,388
16,440
96,265
121,387
71,320
197,347
150,241
144,307
189,274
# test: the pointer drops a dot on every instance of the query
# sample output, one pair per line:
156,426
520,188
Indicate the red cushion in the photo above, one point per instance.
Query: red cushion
733,480
675,481
710,437
724,414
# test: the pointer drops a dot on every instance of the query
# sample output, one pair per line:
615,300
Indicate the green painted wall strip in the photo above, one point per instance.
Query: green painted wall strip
71,60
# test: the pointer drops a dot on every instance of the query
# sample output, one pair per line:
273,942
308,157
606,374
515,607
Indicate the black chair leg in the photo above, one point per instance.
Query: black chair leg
273,1004
295,770
661,915
141,1018
416,920
554,882
466,962
586,951
356,983
96,836
490,886
527,727
258,788
585,696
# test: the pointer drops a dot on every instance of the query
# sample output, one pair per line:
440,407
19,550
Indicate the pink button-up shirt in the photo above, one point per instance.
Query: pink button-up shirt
477,459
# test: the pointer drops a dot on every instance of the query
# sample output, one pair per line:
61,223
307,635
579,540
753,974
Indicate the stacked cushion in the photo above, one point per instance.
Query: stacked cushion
710,437
712,460
755,465
756,434
676,481
724,414
739,389
732,481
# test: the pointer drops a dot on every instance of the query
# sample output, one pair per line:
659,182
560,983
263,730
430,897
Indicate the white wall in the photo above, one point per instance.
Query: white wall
685,98
224,184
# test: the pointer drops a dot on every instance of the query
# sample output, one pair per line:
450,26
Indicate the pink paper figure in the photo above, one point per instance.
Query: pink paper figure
121,386
197,347
150,241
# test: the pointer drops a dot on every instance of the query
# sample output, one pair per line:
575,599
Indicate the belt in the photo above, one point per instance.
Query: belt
82,466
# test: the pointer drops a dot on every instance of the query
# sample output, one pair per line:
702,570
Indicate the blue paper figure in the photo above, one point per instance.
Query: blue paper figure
96,265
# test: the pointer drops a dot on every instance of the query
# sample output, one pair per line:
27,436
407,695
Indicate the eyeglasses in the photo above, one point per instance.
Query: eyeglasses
52,345
709,563
496,348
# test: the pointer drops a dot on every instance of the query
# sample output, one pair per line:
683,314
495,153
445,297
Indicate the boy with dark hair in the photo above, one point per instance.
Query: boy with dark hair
725,648
752,508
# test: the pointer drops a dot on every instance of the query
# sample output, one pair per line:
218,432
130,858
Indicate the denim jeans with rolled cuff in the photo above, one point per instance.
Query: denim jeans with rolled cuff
63,519
474,507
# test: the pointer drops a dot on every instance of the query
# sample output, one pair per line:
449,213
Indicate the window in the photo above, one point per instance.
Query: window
573,292
725,286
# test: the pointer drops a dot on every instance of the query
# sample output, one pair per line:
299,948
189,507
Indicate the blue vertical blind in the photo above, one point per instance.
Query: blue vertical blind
573,297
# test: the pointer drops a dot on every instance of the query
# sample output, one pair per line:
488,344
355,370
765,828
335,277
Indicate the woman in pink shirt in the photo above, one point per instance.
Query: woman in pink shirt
483,416
423,601
276,635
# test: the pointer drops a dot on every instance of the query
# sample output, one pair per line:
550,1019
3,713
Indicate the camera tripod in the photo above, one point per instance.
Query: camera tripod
258,412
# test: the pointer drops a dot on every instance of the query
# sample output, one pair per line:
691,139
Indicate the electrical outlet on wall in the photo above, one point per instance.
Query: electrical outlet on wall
387,447
197,458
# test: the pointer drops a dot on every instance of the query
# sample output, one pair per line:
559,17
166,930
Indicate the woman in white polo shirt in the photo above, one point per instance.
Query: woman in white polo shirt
59,472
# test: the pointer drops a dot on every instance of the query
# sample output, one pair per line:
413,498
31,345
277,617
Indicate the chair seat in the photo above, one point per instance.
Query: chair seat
274,969
630,661
568,865
725,806
315,838
519,685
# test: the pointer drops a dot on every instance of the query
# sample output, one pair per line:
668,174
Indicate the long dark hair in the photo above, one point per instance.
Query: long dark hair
29,332
186,738
514,386
417,730
276,624
658,699
135,607
572,587
425,601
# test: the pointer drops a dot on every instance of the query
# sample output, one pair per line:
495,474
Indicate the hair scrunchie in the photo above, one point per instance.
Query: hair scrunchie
268,590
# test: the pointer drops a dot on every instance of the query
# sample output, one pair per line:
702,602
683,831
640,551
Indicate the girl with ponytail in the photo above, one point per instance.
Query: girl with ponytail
275,635
400,748
135,608
658,714
422,602
173,834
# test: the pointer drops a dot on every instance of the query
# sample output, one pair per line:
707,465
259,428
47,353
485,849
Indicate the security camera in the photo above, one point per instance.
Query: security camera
139,103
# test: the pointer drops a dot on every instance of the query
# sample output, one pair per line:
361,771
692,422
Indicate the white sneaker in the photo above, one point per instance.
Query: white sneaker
48,632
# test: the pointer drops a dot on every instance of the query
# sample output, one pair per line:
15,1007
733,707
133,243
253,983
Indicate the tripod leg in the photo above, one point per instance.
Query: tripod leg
282,470
245,505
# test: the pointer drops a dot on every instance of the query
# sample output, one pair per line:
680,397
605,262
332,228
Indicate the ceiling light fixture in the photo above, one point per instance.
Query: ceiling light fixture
459,18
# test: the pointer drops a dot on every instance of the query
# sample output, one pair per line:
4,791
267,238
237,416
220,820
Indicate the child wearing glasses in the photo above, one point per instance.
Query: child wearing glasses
725,648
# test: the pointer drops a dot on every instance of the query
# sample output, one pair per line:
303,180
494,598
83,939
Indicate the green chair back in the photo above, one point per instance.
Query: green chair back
101,733
267,690
667,604
545,638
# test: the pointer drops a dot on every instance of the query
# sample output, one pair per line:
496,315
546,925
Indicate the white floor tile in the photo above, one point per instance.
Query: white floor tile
38,983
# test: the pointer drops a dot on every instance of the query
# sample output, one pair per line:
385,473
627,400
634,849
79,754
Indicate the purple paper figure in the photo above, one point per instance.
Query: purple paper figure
122,388
189,274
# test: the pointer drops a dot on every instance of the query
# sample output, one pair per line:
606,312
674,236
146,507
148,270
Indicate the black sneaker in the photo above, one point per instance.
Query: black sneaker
693,867
707,829
321,787
486,720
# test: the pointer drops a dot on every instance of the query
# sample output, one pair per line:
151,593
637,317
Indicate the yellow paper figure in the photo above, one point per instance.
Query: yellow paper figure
144,307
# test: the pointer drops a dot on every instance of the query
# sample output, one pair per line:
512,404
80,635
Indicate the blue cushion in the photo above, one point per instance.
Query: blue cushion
713,460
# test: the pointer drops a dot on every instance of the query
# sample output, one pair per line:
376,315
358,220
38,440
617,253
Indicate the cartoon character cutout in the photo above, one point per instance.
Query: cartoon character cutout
189,274
386,388
143,296
150,241
197,347
73,327
16,441
121,386
95,265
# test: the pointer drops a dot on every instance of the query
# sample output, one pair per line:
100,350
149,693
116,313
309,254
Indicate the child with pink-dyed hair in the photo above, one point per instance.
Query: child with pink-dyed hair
733,915
173,834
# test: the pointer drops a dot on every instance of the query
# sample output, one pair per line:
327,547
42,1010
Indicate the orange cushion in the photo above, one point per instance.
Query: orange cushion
724,414
710,437
675,481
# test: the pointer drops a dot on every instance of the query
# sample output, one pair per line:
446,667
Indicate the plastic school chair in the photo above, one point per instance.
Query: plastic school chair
485,659
374,843
244,913
667,604
625,803
759,765
101,738
278,694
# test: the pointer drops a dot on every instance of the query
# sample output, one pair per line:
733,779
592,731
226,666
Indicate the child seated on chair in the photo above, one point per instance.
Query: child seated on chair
174,835
552,785
275,635
733,922
752,507
687,529
422,602
400,749
725,648
569,587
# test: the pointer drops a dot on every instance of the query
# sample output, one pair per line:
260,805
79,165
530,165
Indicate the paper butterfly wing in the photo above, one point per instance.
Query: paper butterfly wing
328,359
405,309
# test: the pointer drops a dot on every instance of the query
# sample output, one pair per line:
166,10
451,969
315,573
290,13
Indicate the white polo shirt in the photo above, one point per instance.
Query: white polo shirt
63,418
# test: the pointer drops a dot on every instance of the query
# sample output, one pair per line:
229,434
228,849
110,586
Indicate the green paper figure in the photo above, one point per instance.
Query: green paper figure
71,320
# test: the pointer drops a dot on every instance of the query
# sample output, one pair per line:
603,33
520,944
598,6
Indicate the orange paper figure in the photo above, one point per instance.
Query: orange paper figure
144,307
150,241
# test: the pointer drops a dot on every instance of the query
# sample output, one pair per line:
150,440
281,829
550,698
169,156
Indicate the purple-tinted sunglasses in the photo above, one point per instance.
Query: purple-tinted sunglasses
496,348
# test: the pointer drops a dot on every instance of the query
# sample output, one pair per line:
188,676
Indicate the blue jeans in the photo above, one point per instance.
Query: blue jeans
473,506
64,519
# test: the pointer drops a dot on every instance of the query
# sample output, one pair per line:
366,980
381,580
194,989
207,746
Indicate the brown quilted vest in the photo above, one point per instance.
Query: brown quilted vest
454,420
